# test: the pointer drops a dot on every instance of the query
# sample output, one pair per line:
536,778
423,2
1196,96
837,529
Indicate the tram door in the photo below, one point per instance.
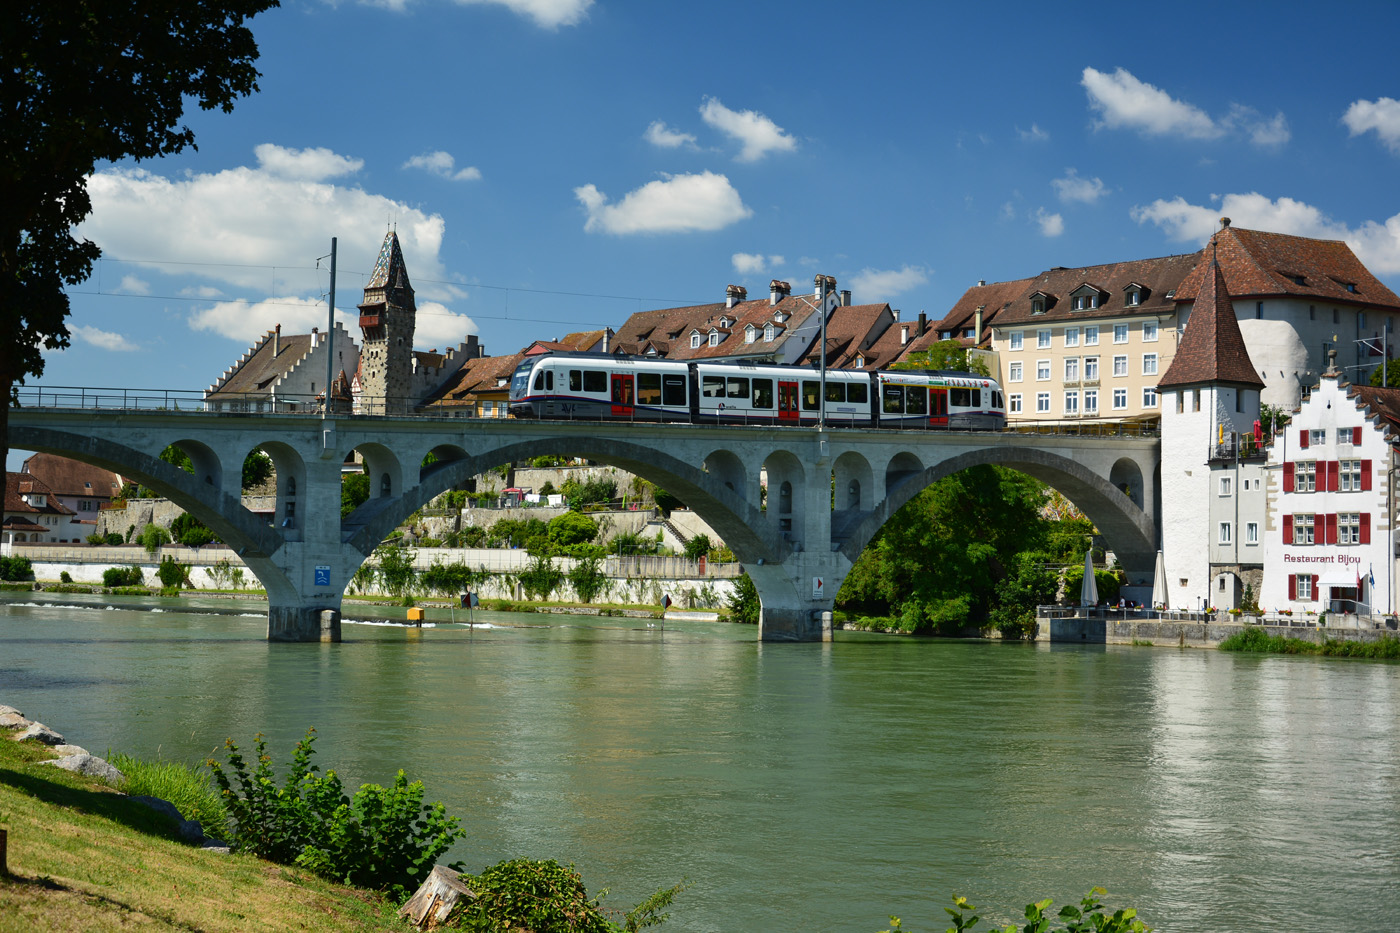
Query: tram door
787,401
938,407
622,395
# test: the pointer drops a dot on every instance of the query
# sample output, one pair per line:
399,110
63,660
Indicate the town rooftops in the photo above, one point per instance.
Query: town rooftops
67,477
1259,264
1141,286
1211,349
1382,402
28,494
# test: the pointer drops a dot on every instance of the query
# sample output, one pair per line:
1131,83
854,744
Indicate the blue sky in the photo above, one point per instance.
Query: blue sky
555,165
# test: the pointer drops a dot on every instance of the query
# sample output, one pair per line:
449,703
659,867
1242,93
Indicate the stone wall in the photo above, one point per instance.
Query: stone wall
1166,632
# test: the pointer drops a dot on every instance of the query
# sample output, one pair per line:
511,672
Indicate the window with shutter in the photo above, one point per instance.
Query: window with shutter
1331,528
1356,435
1288,531
1365,475
1365,527
1292,586
1303,438
1288,477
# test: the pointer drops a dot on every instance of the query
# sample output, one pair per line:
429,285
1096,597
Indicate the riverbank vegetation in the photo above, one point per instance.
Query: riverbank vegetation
983,547
1258,641
1088,916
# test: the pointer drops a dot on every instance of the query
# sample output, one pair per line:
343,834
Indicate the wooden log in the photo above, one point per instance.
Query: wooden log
435,898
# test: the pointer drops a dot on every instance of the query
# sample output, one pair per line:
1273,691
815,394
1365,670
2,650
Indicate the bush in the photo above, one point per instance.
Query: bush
599,489
587,579
173,575
744,605
65,577
96,538
524,894
451,579
1088,916
697,547
572,528
190,531
191,791
384,838
152,537
121,576
114,538
541,578
396,572
16,568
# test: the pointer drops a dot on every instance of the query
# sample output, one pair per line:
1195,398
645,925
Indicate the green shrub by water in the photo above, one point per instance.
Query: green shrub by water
121,576
191,791
1258,641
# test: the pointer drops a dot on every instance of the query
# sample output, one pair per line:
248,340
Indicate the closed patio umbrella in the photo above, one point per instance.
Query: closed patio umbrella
1089,590
1159,583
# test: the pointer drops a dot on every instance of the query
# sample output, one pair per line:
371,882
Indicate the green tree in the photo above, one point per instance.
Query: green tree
572,528
587,579
744,605
396,571
152,537
257,469
945,354
354,492
83,82
697,547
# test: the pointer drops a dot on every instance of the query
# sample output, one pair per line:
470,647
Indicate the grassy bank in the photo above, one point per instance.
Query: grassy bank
82,858
1261,642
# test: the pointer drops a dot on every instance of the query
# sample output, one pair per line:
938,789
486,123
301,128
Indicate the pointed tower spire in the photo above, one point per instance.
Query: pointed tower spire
1211,348
387,319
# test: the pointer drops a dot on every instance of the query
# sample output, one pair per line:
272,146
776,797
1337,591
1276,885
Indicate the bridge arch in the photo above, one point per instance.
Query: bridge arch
1127,530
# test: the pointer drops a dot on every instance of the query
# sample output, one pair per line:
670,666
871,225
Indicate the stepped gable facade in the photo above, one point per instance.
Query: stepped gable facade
282,372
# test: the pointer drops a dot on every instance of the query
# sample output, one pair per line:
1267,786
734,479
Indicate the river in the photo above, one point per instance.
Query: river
798,787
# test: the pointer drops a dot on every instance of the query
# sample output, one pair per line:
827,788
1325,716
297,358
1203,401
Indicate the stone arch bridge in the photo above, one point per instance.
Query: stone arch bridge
828,492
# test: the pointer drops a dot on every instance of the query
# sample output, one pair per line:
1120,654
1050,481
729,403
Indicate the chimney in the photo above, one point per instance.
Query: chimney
1224,222
903,334
777,291
981,283
276,341
845,297
977,325
923,324
819,292
315,337
895,312
734,294
607,339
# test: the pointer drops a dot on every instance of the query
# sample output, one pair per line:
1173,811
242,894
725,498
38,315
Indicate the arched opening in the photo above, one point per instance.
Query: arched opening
902,467
1226,590
288,474
726,467
204,463
1127,479
786,492
386,485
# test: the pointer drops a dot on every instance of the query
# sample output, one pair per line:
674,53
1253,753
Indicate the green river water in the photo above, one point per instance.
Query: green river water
798,787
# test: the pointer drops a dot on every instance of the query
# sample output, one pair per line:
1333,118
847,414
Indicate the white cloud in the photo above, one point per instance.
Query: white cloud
1125,102
547,14
436,325
758,134
659,134
1377,245
134,285
305,164
1050,224
673,204
886,283
245,321
754,263
442,164
260,228
104,339
1381,115
1073,188
1035,134
1261,132
201,291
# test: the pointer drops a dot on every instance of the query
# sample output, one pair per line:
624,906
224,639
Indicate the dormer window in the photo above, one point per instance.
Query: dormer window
1134,295
750,333
714,338
1086,298
769,331
779,318
651,351
695,340
1037,306
724,322
1351,287
860,362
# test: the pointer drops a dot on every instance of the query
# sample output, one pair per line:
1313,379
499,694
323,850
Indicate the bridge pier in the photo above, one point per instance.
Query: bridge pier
797,595
303,623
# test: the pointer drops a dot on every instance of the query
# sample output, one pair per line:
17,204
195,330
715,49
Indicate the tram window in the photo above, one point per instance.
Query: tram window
738,387
997,401
856,392
575,380
539,382
595,380
916,400
648,388
960,398
549,379
763,393
712,386
835,391
673,390
894,400
976,398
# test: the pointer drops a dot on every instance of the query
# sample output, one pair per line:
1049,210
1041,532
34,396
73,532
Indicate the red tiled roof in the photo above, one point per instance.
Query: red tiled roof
18,485
73,477
991,298
477,377
1160,277
263,367
1257,264
1381,401
1211,348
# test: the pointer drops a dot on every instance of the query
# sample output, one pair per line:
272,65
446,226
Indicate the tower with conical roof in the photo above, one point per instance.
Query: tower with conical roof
1209,400
386,324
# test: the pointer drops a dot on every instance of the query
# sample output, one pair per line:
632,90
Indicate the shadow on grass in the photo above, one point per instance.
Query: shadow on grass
111,806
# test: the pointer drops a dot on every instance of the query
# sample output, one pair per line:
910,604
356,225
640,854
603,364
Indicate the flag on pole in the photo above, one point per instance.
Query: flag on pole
1371,572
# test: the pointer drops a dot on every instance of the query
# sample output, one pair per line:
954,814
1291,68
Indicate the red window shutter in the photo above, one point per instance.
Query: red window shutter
1288,530
1365,474
1292,586
1315,587
1331,528
1288,477
1303,438
1365,527
1333,470
1355,436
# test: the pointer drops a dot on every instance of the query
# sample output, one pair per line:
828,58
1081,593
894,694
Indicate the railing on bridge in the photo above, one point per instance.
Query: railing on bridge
87,398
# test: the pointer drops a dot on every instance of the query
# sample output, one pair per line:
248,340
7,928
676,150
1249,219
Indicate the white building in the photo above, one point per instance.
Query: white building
1331,534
